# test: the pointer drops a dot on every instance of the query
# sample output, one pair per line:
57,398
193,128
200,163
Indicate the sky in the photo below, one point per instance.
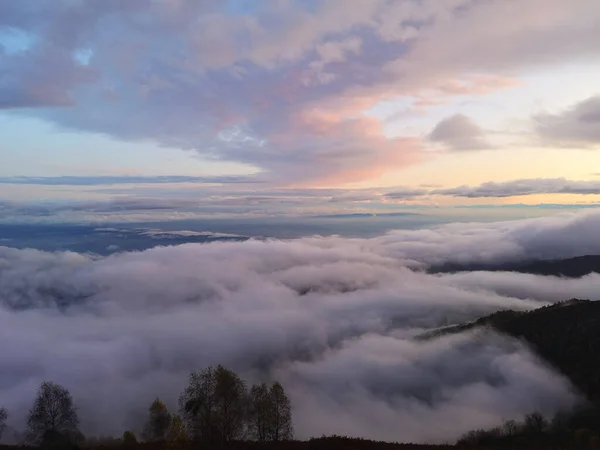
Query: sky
287,108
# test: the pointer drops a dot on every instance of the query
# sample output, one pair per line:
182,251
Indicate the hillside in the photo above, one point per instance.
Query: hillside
567,335
569,267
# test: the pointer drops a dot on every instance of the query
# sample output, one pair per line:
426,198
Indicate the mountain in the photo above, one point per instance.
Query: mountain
566,335
569,267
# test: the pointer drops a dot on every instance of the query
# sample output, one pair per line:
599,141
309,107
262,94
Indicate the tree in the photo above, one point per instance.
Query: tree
559,423
129,439
198,404
214,405
231,400
217,407
470,438
281,416
535,423
158,422
510,427
176,436
3,417
53,414
259,412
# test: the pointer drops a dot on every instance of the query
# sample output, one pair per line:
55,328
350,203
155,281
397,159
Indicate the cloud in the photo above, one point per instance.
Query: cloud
331,52
476,39
524,187
406,194
410,392
321,146
333,318
191,75
578,126
127,179
23,85
125,204
226,100
553,289
179,198
167,234
458,132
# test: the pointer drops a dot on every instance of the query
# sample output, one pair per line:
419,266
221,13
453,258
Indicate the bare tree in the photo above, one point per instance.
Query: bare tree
259,412
3,417
53,413
510,427
281,416
231,397
158,422
217,407
214,405
198,404
535,423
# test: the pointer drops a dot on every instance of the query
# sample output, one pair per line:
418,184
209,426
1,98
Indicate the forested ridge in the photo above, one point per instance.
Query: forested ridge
566,267
565,334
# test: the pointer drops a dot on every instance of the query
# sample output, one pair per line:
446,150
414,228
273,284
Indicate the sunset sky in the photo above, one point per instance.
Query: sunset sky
290,107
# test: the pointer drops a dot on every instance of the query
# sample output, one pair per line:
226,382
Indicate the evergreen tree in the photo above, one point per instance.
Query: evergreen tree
159,421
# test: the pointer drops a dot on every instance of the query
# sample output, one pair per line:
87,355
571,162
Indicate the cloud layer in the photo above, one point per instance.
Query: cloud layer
281,86
578,126
122,199
110,180
333,318
524,187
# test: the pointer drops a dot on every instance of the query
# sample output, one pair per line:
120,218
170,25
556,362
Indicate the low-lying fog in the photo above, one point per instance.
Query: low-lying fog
332,318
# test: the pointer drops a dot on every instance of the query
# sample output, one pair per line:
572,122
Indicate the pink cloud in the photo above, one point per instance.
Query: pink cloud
291,83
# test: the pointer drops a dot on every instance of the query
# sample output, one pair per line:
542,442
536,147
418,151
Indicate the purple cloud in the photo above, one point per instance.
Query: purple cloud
282,88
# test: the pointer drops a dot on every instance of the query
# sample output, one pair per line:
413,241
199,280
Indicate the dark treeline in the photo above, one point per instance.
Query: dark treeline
576,267
216,409
564,334
567,336
577,430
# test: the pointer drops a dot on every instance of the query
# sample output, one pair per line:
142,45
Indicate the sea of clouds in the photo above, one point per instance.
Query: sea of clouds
334,319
